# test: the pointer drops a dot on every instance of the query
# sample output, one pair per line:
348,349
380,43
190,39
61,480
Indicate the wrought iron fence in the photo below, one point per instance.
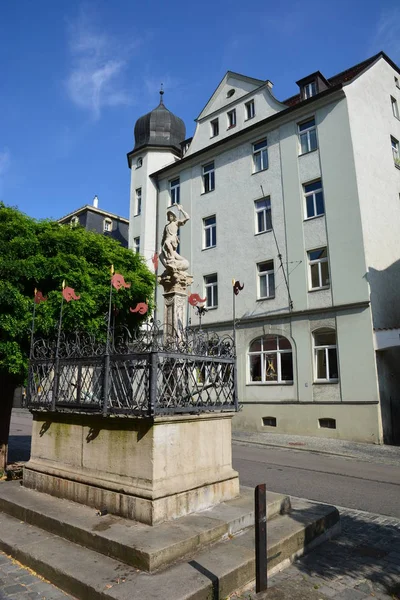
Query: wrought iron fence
148,373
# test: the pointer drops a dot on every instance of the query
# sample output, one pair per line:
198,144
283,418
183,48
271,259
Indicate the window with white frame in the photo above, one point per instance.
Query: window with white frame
136,245
395,150
107,225
395,107
319,268
208,178
325,356
210,232
313,199
266,279
139,162
175,190
138,201
214,128
263,215
211,290
250,110
74,221
396,82
307,136
231,118
260,156
309,89
271,360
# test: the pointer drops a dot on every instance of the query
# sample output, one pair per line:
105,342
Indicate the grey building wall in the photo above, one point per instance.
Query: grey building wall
94,221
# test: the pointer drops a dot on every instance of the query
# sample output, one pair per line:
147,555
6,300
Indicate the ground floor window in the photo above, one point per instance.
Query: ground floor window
325,356
271,360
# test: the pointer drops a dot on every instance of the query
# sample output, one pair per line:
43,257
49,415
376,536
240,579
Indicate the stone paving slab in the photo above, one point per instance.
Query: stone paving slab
363,563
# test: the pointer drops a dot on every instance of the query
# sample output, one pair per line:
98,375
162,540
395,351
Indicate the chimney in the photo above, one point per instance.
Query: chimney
96,202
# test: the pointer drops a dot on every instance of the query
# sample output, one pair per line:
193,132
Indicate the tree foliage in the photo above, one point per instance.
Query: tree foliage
41,254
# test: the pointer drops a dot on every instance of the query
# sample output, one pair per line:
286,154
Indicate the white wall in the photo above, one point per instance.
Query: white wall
144,225
378,180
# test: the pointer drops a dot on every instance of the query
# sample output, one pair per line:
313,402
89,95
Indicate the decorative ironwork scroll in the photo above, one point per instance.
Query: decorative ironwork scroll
145,372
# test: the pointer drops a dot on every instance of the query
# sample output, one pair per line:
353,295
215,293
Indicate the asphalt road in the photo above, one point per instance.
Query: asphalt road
340,481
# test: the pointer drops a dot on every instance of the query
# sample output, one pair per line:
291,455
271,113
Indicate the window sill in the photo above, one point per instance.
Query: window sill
262,232
209,192
214,136
260,171
209,248
266,298
397,165
231,127
137,215
324,287
249,118
308,152
325,382
211,307
269,383
315,217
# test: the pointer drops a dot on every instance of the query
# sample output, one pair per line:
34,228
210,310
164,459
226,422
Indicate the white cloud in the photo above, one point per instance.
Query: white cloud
387,35
96,77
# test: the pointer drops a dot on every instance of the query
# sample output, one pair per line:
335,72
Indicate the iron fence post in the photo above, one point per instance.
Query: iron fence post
153,366
260,517
55,383
106,383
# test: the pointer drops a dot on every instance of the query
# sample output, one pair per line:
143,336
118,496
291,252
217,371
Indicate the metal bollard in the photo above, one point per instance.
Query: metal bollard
260,518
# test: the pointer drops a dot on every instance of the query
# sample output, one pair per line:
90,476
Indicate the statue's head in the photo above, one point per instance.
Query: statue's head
171,216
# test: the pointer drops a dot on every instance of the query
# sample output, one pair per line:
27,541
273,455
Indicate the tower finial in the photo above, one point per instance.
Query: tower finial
161,94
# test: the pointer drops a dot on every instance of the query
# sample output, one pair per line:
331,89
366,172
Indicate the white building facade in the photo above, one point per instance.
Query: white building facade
299,201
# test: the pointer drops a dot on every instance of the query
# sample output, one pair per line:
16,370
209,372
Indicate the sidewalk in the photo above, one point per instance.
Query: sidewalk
389,455
363,563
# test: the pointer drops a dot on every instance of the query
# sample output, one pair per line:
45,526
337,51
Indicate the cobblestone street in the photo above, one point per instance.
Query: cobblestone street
19,583
363,562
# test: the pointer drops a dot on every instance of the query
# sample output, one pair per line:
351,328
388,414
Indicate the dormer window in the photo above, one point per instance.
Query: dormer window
230,93
107,225
250,112
214,128
231,118
310,89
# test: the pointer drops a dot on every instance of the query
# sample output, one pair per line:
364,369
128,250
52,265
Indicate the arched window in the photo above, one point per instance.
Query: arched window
325,356
271,360
74,221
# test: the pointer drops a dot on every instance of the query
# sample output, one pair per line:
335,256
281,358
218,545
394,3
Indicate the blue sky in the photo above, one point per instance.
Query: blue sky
76,75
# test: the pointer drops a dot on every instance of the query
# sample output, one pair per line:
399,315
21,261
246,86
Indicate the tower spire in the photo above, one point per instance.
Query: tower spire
161,93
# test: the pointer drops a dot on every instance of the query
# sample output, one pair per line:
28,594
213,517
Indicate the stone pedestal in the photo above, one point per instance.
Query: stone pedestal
175,286
149,470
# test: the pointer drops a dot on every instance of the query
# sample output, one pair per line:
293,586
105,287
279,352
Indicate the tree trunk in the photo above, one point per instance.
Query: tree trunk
7,389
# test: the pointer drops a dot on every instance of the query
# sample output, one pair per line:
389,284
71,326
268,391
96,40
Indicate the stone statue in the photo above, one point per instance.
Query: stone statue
175,280
169,256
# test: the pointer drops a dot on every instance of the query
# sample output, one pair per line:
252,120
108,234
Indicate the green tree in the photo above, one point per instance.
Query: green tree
41,254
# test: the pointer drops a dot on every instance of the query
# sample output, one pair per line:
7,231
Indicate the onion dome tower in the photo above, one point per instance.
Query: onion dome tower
158,138
159,128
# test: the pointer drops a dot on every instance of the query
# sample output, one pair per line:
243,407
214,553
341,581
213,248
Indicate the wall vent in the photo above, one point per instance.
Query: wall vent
269,421
327,423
